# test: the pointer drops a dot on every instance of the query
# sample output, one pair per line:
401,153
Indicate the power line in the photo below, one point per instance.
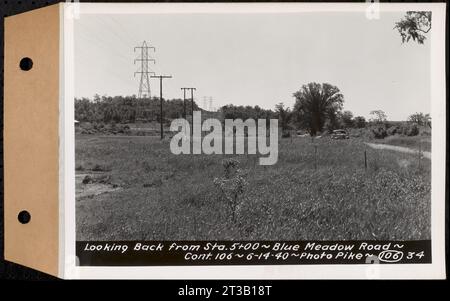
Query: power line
144,84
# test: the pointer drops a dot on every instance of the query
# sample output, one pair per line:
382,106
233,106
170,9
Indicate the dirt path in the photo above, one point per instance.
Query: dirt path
398,149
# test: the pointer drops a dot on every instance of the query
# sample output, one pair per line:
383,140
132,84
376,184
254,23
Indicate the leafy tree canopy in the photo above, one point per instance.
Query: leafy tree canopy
420,119
415,24
316,104
378,116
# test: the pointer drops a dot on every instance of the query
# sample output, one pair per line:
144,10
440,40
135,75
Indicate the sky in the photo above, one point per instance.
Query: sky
257,59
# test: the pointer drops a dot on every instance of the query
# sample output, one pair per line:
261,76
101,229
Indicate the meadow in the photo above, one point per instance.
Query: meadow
422,143
133,188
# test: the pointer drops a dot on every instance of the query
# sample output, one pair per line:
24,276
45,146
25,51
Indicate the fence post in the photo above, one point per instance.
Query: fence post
365,159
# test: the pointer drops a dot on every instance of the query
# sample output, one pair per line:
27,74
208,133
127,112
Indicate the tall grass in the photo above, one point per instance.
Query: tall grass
168,197
416,142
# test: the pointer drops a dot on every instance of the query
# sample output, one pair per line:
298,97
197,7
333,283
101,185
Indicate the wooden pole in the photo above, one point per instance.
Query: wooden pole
365,159
192,114
161,77
161,108
184,103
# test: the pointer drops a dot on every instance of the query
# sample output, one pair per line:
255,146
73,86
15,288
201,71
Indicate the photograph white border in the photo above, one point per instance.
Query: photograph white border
68,262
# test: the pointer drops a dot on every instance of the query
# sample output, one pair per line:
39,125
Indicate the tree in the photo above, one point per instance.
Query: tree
360,122
240,112
284,116
126,109
315,104
347,119
420,119
414,25
378,116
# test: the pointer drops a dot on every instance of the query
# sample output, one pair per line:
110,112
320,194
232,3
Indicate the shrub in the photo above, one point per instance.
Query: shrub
425,133
394,130
379,132
232,184
411,130
354,133
230,167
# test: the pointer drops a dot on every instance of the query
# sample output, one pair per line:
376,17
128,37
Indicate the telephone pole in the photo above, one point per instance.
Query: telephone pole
192,100
184,101
192,111
144,84
161,77
192,105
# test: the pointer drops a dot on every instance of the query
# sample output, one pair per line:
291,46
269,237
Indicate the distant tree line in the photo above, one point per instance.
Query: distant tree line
318,108
245,112
127,109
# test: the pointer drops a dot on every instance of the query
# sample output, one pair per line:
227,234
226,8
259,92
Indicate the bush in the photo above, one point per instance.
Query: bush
411,130
232,184
394,130
379,132
425,133
365,133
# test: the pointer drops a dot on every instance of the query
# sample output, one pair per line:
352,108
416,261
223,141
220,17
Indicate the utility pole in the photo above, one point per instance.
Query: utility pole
161,77
192,111
144,84
192,105
184,100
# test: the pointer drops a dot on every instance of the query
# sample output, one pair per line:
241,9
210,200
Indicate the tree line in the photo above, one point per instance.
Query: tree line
318,108
128,109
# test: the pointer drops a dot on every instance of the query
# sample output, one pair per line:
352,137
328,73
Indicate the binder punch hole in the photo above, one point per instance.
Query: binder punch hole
26,64
24,217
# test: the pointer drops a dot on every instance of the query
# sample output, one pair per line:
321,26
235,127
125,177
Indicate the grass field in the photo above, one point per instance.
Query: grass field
135,189
422,143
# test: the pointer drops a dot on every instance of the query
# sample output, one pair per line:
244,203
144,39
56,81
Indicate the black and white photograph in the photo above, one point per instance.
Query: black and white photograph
258,126
245,142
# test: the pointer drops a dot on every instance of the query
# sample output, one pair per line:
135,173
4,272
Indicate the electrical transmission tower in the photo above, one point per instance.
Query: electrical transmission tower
144,59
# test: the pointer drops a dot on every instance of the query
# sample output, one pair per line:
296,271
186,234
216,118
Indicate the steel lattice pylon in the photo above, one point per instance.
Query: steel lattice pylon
144,84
